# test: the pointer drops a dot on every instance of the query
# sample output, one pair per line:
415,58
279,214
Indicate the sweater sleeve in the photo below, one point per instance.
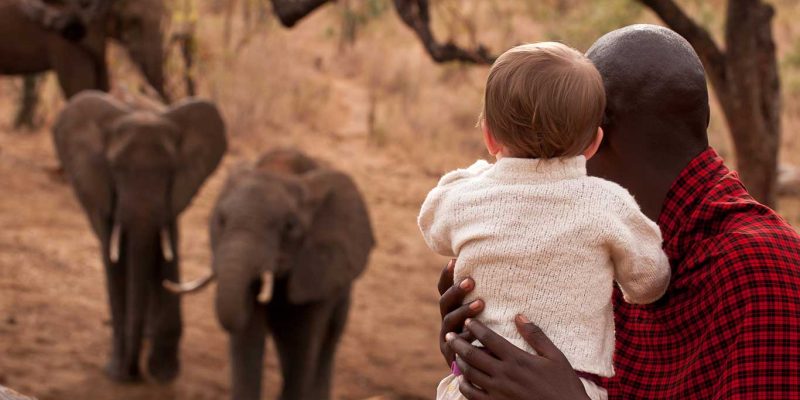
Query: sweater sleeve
477,168
436,217
641,268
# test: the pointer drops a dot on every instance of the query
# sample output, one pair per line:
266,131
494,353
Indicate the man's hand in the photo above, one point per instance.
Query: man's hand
506,372
453,312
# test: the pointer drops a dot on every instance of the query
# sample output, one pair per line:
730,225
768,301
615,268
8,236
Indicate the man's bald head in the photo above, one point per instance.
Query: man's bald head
652,74
657,109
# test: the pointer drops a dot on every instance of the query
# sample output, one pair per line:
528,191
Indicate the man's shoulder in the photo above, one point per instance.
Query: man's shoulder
754,229
755,250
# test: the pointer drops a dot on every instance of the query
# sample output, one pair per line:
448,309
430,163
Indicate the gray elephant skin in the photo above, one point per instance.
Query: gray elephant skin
133,173
69,37
288,238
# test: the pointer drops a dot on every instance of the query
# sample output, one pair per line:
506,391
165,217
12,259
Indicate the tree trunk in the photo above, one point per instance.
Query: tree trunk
752,107
188,45
745,79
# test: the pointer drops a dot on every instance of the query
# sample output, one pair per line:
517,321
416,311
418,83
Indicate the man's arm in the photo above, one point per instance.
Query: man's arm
506,372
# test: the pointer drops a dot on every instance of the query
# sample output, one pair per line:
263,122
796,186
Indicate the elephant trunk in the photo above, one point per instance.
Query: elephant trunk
147,53
153,67
142,257
240,269
165,244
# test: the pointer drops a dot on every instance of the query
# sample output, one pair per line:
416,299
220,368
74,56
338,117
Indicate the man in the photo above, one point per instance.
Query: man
729,324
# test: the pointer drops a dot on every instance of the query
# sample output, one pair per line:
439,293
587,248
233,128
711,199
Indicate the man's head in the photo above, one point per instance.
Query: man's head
542,100
657,110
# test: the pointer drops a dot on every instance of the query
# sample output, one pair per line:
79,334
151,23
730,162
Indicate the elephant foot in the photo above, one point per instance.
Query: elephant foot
163,369
117,373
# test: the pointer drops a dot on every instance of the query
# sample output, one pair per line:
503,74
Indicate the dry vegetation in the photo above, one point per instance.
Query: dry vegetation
377,108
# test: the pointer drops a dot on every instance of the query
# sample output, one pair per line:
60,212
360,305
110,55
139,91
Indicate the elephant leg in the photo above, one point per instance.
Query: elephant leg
298,335
338,319
164,316
247,357
26,115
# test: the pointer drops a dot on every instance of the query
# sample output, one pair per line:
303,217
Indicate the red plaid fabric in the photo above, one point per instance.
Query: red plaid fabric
729,325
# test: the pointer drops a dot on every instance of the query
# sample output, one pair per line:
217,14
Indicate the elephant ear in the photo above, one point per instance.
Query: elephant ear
338,242
200,149
80,134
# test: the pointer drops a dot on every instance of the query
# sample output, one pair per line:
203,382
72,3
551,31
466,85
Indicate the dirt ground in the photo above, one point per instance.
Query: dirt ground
379,110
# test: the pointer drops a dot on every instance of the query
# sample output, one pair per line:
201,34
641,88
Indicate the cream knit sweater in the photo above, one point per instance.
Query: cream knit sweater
541,238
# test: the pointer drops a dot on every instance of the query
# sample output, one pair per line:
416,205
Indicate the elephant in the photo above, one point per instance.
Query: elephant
133,173
69,37
288,237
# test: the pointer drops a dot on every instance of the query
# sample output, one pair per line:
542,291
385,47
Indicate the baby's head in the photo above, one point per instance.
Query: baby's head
543,100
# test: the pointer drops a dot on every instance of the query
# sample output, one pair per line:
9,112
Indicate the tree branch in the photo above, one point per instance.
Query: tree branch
416,14
291,11
711,55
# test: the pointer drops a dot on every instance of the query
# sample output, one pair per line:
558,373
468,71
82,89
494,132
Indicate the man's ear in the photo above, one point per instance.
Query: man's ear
592,149
488,139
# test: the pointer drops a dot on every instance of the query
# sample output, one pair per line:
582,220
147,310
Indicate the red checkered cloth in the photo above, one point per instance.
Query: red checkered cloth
729,325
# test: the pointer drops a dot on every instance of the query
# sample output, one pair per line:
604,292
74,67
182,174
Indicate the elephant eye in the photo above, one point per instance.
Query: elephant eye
135,24
293,229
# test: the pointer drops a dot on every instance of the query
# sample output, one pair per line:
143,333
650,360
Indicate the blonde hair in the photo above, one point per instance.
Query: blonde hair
543,100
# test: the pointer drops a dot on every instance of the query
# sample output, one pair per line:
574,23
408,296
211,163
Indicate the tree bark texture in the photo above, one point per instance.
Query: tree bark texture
745,79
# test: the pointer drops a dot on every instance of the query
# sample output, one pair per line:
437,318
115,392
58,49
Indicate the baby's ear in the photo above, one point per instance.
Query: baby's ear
488,139
592,149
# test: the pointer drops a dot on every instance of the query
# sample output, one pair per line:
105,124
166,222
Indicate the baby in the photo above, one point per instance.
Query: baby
540,237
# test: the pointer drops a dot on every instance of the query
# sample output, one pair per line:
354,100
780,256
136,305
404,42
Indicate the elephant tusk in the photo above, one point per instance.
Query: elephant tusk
265,295
113,251
166,245
187,287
